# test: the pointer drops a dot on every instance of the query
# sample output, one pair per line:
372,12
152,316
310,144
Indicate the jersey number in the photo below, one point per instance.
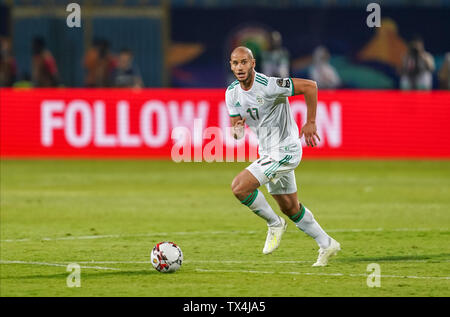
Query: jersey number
250,112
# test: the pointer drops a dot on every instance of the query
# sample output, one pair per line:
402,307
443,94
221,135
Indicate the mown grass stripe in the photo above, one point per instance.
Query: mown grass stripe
183,233
321,274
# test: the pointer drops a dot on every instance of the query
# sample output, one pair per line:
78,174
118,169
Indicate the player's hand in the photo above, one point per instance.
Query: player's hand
238,129
309,130
240,122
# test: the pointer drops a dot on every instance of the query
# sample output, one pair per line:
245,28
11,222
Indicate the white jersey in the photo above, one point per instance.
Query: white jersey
266,109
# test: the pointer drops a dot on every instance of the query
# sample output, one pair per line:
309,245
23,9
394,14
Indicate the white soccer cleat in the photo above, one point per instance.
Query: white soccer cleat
326,254
273,239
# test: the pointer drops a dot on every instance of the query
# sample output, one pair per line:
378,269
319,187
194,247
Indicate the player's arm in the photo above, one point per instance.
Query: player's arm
308,88
237,123
237,127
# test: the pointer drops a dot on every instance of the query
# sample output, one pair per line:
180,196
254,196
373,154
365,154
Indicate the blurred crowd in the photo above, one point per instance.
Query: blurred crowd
415,73
104,69
275,61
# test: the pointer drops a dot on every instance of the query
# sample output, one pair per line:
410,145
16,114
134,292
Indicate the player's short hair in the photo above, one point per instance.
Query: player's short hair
243,48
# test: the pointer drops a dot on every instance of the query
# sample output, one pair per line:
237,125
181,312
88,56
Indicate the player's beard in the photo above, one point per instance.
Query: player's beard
247,79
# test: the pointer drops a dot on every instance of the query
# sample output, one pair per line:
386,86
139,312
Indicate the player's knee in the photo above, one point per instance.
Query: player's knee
290,208
237,188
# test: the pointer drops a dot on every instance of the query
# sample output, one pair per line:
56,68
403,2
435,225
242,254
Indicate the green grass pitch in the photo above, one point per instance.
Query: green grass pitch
106,215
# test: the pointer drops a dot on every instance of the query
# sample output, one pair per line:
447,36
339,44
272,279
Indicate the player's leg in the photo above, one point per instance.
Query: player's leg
302,217
245,188
285,193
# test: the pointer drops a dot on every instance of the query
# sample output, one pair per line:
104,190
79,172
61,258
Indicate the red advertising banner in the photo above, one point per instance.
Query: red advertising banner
147,123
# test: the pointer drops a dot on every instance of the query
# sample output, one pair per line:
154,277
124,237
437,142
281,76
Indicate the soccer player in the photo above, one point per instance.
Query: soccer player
261,102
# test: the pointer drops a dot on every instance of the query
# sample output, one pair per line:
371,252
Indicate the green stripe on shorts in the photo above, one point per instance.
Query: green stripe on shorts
275,167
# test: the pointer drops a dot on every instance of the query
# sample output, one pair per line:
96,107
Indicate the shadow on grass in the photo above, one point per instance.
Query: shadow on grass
90,274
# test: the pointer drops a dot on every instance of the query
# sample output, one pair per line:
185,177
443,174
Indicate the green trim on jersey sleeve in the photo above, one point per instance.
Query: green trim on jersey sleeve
260,79
234,115
233,84
292,86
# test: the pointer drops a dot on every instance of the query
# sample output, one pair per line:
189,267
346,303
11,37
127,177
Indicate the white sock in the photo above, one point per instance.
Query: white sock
259,205
304,220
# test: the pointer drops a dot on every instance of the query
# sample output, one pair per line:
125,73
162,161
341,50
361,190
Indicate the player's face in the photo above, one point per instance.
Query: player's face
242,66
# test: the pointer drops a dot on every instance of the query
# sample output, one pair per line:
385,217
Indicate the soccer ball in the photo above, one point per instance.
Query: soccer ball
166,257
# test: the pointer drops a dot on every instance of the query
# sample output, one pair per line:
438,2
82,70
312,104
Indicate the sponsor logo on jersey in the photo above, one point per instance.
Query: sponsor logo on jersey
259,100
284,82
237,104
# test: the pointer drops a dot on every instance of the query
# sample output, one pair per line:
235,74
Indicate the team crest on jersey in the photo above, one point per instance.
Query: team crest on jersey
284,82
259,100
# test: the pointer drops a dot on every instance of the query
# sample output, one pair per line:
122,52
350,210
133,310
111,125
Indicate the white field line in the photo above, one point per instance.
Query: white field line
222,271
194,261
148,262
246,262
115,236
56,264
321,274
188,261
